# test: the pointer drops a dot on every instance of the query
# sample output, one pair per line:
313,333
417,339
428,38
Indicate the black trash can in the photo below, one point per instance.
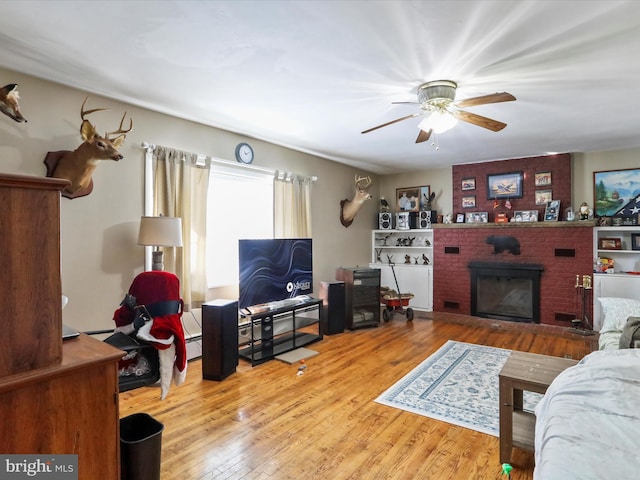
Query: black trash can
140,447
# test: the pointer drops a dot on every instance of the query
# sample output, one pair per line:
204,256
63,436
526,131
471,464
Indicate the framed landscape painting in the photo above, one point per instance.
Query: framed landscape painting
468,183
506,185
613,189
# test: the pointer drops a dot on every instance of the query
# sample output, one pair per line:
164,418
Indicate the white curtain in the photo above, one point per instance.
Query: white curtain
292,206
181,181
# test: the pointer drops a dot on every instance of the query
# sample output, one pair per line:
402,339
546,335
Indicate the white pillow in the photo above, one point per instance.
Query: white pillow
615,312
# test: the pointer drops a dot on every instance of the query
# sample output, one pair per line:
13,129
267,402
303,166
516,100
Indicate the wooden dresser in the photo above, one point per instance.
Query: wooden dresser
55,397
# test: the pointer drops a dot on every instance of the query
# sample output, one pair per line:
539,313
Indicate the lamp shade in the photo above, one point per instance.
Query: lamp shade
160,231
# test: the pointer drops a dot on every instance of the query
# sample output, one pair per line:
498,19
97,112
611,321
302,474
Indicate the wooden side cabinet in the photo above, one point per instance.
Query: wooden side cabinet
67,408
362,296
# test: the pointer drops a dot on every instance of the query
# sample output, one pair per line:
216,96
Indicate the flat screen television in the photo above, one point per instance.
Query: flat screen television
274,269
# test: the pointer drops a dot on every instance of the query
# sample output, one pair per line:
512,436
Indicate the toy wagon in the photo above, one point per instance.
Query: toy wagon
395,301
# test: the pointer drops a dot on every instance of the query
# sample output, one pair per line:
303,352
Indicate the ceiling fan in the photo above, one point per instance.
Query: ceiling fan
436,100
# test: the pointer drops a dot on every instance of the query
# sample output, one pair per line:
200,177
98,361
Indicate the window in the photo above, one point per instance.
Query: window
240,205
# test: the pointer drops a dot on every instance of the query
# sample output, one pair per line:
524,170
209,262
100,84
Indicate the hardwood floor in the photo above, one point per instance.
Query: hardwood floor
267,422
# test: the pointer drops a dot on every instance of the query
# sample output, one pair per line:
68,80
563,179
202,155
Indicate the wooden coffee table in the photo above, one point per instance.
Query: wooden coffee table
523,371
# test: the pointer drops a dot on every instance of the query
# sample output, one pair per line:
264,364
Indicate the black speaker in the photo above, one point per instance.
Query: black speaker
219,339
426,218
385,221
334,310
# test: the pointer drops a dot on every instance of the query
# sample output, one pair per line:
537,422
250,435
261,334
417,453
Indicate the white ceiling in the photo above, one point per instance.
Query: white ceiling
311,75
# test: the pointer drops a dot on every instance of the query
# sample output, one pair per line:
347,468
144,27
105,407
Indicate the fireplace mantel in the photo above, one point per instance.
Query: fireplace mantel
576,224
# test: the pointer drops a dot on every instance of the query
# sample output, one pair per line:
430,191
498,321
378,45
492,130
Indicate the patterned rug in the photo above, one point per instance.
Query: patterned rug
458,384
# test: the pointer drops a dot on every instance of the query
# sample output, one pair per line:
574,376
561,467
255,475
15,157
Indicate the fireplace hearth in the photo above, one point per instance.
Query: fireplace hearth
506,291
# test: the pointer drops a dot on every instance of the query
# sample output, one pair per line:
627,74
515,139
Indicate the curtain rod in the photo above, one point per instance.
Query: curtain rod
281,175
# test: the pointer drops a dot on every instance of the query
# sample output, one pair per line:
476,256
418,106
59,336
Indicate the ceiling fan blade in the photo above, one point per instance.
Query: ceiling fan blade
413,115
405,103
483,100
480,121
423,136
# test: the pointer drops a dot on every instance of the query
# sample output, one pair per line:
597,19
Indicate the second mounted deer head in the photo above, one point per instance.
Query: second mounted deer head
349,208
78,166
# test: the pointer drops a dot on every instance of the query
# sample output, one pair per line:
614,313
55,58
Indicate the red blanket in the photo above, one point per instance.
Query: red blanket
153,287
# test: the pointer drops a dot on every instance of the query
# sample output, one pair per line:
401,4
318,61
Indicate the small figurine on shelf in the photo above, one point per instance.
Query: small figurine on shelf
425,259
416,260
428,201
384,205
407,259
585,211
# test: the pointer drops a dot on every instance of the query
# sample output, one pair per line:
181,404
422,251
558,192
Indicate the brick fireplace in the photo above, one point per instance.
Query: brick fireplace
562,250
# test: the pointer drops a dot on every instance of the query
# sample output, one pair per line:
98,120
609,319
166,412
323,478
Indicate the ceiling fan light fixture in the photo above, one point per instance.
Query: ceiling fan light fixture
437,92
439,121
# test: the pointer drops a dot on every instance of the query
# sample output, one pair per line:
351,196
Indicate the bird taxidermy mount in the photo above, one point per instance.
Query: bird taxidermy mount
9,102
428,200
384,205
79,165
350,208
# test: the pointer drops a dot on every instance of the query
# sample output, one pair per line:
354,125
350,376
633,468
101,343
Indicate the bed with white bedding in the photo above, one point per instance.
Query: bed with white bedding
588,422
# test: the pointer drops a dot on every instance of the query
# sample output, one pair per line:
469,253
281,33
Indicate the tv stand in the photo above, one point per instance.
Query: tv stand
261,340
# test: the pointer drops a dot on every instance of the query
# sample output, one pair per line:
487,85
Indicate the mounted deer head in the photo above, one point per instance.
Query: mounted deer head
78,166
9,102
349,208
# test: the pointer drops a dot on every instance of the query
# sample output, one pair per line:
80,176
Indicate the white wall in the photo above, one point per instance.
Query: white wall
99,254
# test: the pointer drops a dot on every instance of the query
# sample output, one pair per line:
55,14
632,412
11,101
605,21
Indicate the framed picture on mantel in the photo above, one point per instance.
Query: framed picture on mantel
552,211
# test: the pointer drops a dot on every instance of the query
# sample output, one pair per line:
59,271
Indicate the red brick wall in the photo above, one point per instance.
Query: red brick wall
538,245
558,165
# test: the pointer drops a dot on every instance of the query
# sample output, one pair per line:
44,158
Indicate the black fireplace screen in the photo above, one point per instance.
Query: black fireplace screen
506,291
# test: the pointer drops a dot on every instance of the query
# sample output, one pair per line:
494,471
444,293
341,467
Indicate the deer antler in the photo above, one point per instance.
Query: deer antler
360,179
120,131
84,112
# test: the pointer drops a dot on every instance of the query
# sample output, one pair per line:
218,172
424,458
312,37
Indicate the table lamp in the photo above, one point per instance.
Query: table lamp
160,232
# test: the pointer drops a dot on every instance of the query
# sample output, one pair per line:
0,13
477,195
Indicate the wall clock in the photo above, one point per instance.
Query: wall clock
244,153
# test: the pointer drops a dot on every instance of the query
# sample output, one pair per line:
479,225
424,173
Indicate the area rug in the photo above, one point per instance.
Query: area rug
458,384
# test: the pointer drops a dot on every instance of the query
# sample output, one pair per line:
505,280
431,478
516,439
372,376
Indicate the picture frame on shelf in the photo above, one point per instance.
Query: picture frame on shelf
552,211
543,196
412,199
542,179
504,185
477,217
468,184
607,186
460,218
469,201
525,216
635,241
610,243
